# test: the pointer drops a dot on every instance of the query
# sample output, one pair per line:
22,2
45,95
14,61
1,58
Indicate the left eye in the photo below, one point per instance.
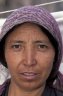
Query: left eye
42,47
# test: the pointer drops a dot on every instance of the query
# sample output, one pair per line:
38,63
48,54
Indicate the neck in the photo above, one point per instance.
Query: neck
16,91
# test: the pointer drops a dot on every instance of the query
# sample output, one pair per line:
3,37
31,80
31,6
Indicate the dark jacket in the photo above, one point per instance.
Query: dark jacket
48,91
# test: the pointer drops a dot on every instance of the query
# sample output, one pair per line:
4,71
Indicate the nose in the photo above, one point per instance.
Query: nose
29,58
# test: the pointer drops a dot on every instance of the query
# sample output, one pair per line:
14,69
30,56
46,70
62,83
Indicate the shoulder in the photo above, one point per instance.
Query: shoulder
56,92
50,91
59,92
3,87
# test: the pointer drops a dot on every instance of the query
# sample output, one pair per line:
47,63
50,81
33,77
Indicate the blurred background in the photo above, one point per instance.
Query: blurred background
7,7
14,4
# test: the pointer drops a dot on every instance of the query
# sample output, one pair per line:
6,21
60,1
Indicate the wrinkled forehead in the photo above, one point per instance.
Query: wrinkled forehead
29,31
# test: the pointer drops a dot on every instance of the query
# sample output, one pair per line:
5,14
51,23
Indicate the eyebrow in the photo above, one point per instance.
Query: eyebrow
41,41
16,41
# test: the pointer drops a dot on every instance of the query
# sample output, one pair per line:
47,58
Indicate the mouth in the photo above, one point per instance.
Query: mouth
29,75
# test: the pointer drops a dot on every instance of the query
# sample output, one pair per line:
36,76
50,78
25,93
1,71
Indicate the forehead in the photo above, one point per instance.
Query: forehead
27,31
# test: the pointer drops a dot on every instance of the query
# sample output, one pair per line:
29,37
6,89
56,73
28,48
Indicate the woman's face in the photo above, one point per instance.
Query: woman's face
29,56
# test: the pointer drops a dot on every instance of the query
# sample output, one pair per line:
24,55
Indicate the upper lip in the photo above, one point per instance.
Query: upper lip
29,73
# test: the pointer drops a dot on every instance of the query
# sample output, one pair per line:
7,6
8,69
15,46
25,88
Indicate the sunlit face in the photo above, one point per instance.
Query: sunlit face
29,55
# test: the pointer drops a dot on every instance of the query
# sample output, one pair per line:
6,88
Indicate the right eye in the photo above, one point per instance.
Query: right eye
16,47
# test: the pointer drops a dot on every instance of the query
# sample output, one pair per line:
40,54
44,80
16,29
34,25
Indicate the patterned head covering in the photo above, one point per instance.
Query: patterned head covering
40,16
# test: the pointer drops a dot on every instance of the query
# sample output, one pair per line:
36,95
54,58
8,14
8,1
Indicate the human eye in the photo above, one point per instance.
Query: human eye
16,47
42,47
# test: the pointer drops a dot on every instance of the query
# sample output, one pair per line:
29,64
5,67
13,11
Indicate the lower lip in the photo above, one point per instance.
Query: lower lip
29,76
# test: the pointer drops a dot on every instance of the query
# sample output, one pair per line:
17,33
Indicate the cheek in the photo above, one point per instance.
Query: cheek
46,59
45,63
12,59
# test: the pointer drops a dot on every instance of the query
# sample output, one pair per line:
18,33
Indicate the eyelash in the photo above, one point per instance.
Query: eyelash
42,47
16,47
